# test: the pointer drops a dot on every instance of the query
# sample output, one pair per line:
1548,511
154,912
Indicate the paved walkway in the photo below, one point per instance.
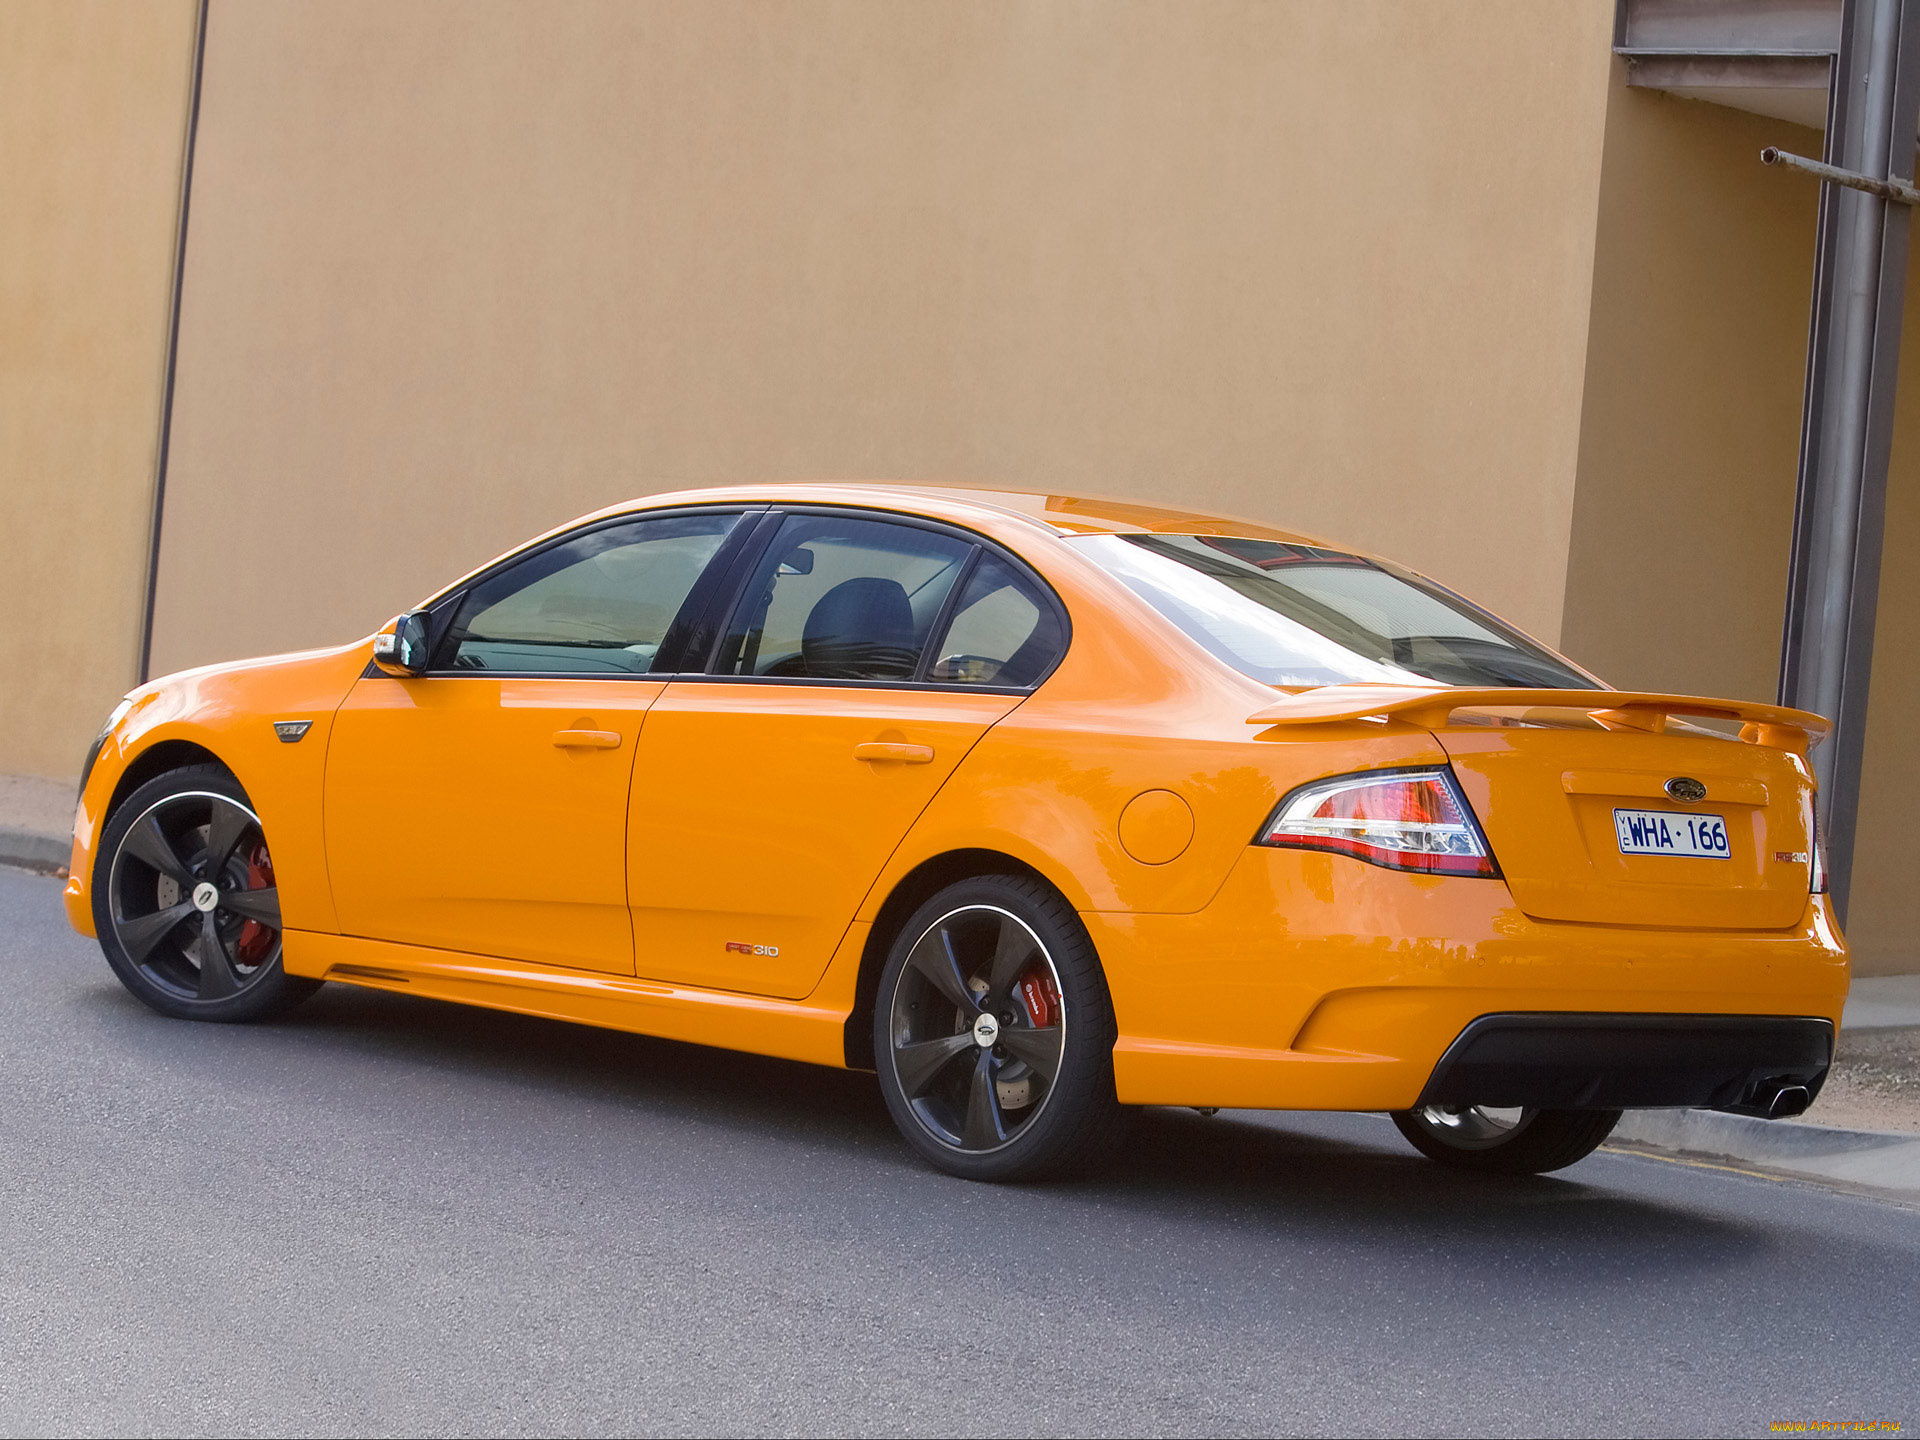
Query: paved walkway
36,821
1883,1002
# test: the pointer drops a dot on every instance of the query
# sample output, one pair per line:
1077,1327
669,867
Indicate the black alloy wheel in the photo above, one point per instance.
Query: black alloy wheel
186,904
993,1032
1505,1141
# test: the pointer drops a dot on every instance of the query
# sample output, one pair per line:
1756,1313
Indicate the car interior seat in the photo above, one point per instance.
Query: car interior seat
861,629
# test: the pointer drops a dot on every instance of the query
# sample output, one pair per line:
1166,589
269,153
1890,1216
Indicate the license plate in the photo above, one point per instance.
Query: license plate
1671,832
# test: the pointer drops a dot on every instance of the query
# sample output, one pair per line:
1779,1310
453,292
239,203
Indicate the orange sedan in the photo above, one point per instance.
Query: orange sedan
1039,807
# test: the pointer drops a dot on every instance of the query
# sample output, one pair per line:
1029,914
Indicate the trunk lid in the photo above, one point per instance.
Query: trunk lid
1546,797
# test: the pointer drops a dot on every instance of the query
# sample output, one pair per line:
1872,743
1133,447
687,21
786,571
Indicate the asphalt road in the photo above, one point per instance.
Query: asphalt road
391,1216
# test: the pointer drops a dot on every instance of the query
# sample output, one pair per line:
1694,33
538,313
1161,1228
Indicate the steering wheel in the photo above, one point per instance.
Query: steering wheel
979,669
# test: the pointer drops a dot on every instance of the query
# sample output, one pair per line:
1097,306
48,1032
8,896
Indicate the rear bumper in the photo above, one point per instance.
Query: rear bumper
1317,982
1615,1062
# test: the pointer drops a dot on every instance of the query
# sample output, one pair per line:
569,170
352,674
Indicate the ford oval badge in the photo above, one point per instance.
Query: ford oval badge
1686,789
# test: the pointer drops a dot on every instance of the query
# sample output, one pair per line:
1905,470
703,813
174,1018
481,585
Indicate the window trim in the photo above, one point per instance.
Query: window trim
943,617
769,526
698,631
442,608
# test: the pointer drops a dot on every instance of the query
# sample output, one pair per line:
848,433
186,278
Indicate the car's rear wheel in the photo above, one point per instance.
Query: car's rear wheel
185,900
993,1033
1505,1141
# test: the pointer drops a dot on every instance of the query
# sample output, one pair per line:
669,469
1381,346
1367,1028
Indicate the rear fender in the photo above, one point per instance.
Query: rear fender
1137,822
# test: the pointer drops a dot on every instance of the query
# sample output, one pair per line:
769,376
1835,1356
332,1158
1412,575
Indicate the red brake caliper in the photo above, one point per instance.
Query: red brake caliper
256,940
1041,997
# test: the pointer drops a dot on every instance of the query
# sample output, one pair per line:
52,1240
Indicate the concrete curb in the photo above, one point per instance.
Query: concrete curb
31,850
1856,1157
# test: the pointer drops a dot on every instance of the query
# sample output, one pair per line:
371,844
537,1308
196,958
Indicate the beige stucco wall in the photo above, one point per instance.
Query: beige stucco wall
1689,451
93,98
461,271
1690,424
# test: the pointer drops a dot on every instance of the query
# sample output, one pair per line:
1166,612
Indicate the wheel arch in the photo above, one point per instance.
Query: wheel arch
158,759
909,893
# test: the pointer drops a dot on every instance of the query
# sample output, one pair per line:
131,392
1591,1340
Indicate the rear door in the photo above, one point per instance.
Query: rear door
863,657
1585,827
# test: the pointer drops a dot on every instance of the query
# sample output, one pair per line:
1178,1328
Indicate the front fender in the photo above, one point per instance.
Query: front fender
229,711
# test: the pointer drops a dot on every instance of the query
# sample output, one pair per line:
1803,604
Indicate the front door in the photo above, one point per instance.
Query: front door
768,795
483,807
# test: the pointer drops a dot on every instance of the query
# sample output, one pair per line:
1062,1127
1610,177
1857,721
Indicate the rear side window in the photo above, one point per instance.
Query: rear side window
1003,631
842,599
1303,615
599,604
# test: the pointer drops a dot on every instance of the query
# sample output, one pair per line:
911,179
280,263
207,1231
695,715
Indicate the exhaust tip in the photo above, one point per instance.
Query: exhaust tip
1789,1100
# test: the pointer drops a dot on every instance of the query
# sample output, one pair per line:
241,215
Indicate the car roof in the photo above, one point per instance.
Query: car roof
1009,516
984,507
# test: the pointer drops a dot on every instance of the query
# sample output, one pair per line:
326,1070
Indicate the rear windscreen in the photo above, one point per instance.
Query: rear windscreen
1302,615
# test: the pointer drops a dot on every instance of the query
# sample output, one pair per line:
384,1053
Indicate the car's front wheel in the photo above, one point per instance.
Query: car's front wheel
1505,1141
993,1033
186,904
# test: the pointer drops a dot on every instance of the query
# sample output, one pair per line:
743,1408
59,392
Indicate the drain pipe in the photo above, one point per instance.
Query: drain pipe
1853,358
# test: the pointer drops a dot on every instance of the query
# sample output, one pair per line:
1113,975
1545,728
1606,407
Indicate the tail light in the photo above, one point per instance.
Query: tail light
1402,819
1816,852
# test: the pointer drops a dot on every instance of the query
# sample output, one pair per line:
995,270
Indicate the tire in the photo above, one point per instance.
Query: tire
1505,1142
988,986
220,957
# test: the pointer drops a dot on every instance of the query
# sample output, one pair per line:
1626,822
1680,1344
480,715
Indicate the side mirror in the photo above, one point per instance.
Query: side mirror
402,650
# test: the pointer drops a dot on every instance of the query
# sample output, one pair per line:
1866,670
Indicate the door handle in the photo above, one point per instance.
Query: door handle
587,739
893,750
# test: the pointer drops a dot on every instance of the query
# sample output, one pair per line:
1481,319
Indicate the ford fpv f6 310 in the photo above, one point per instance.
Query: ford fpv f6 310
1038,807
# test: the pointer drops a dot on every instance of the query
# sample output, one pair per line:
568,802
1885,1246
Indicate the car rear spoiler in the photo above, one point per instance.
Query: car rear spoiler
1429,707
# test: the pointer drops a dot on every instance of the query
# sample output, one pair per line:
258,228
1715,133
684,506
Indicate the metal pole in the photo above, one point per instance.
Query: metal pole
1853,357
1885,189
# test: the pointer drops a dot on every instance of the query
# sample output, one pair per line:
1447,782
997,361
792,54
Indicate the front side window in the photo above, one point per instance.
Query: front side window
600,603
1003,631
841,599
1303,615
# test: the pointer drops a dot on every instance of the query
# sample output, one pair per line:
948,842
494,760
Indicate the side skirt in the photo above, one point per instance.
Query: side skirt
787,1029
